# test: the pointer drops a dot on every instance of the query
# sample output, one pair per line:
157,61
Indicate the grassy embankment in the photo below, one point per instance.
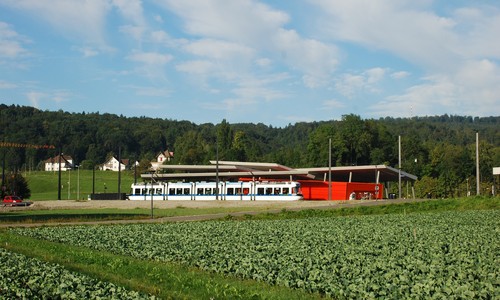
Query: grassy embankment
168,280
43,185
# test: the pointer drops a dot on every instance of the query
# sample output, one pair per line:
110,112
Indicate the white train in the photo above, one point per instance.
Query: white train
241,190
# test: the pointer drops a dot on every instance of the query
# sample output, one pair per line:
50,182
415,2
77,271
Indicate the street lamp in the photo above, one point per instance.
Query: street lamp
69,183
78,183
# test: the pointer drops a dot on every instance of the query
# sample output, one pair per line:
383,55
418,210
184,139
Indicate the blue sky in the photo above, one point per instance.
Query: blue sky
271,62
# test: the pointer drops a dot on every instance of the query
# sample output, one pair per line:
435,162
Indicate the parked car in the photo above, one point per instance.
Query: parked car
15,201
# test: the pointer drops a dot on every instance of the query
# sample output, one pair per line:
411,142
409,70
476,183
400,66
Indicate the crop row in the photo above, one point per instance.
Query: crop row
22,277
435,255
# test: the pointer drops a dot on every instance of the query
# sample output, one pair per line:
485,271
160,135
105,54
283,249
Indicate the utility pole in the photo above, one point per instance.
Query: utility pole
119,171
59,176
217,168
478,184
399,169
330,169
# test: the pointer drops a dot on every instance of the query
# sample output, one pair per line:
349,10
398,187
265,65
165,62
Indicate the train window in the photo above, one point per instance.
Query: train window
230,191
200,191
246,191
137,191
143,191
171,191
238,191
276,191
208,191
185,191
286,191
260,191
269,191
178,191
158,191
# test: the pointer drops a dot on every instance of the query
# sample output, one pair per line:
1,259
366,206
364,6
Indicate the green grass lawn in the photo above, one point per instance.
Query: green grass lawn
43,185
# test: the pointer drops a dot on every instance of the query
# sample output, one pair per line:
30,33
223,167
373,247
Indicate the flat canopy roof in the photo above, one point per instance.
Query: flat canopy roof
234,170
366,173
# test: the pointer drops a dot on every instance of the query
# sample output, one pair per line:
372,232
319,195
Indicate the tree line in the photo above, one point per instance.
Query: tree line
440,150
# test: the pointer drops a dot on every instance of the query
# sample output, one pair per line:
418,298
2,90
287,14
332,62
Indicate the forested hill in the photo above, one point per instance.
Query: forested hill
438,147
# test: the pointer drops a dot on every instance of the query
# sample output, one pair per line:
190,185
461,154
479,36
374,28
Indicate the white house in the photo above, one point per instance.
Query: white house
161,158
112,165
52,164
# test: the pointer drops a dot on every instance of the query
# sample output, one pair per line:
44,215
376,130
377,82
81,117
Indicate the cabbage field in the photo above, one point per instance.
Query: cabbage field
422,255
22,277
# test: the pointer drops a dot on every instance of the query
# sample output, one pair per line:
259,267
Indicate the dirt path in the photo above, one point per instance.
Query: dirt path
260,207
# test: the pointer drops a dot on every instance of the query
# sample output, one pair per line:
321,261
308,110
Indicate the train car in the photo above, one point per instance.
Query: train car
241,190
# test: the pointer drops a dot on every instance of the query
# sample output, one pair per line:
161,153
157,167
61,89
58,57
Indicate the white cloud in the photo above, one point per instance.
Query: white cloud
150,58
478,29
258,27
136,32
473,90
34,98
158,19
87,51
199,67
7,85
150,91
60,96
413,31
400,74
219,50
351,84
10,43
84,21
163,38
131,10
76,19
374,75
263,62
244,21
333,104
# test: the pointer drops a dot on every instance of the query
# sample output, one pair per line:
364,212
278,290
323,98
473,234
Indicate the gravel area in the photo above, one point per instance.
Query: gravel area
126,204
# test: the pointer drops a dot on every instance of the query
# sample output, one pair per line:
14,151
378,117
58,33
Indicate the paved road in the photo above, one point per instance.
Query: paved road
215,216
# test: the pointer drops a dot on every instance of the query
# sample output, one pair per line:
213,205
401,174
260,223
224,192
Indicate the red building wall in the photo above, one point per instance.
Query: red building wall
318,190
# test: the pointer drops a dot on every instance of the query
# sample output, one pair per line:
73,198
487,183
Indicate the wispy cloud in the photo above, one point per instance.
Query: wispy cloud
150,58
11,43
7,85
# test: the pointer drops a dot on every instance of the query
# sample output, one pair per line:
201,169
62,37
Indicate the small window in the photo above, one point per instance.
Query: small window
269,191
200,191
230,191
260,191
178,191
186,191
171,191
246,191
286,191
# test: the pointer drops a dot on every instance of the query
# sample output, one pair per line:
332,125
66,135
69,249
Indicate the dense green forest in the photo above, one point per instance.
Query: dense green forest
440,150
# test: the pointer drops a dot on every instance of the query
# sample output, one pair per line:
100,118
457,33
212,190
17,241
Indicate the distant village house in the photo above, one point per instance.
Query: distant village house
113,165
161,158
52,164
